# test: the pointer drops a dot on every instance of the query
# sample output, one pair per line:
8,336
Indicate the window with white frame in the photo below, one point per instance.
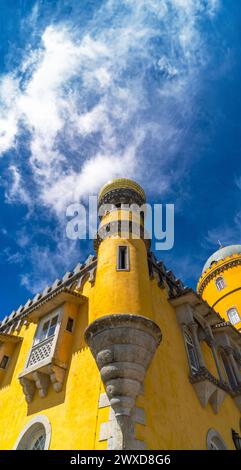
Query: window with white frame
193,360
220,283
233,315
46,329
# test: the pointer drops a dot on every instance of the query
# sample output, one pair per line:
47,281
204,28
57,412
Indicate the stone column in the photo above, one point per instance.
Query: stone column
194,327
213,347
228,351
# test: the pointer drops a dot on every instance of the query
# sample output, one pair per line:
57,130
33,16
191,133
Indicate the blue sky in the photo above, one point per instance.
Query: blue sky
92,90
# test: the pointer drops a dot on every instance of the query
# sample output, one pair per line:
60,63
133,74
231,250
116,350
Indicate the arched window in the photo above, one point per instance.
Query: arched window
192,356
229,371
220,283
215,441
233,315
36,435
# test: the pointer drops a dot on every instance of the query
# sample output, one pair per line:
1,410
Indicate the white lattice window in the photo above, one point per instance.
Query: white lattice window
44,340
41,351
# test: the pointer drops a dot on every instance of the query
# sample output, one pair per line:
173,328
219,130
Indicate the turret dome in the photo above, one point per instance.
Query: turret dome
121,190
221,254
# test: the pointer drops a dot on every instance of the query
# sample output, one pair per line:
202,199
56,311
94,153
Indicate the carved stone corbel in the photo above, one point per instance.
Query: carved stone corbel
208,389
204,390
57,375
41,382
216,399
123,346
28,388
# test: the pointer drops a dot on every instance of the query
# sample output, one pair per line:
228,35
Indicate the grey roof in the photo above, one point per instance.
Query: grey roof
221,254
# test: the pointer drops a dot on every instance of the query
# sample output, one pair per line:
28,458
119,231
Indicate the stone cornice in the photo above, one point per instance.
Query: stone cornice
204,374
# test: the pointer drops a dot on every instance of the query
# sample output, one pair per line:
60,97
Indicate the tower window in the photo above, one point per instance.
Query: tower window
4,362
70,325
233,315
220,283
193,361
123,258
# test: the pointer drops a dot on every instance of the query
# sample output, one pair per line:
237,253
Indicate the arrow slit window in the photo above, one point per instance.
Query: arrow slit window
123,261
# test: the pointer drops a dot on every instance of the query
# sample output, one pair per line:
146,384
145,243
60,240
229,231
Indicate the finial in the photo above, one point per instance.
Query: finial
220,244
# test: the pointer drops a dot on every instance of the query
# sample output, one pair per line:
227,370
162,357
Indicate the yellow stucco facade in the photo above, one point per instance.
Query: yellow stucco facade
228,271
72,386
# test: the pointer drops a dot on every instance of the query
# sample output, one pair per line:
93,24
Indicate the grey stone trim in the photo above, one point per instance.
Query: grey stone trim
122,196
113,432
103,401
209,389
27,430
37,380
210,435
123,346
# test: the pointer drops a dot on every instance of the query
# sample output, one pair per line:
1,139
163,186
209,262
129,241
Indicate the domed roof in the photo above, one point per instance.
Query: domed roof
124,183
221,254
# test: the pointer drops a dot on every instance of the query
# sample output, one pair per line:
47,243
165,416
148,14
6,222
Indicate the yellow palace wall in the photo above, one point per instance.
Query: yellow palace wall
174,416
229,296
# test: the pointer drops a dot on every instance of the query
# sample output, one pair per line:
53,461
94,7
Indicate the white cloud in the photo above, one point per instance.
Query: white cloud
17,191
82,96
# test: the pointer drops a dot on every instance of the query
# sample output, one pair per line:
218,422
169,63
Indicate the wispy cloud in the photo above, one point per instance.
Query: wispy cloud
88,101
83,101
227,234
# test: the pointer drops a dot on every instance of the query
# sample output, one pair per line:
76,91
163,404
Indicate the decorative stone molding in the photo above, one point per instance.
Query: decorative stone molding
39,422
123,346
209,389
122,195
57,375
206,278
28,388
40,379
41,382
